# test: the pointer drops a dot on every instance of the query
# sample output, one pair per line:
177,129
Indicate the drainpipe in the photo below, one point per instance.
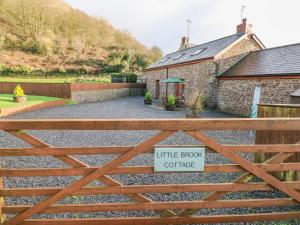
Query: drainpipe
217,68
167,83
214,85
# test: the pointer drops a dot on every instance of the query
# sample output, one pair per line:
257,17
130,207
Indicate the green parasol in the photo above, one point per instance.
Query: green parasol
172,80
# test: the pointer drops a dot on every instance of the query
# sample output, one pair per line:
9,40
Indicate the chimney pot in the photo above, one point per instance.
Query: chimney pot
184,43
184,40
244,27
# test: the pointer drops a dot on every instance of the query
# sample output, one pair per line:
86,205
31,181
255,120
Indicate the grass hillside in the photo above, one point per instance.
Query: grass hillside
49,35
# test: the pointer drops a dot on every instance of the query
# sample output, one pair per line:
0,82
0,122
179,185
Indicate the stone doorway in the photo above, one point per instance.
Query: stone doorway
157,89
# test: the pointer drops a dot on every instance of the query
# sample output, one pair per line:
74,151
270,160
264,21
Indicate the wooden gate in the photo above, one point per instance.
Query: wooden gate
22,214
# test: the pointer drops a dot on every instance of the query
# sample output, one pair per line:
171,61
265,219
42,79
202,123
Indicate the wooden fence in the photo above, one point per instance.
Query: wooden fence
60,90
21,214
278,137
63,90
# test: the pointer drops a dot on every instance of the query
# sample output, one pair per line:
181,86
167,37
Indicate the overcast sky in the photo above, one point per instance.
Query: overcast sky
163,22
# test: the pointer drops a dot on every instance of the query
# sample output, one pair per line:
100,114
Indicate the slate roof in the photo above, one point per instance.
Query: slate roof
282,60
210,49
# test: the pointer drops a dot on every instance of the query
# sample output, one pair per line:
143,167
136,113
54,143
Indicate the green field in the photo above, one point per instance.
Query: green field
6,100
56,80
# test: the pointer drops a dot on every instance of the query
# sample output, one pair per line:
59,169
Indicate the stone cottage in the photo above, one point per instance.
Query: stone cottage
199,65
275,70
226,71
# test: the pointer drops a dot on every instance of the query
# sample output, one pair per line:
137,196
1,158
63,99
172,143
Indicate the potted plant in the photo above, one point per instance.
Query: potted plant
180,102
148,98
196,105
19,94
170,104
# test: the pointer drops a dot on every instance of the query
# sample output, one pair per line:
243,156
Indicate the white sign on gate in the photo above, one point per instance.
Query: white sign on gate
179,159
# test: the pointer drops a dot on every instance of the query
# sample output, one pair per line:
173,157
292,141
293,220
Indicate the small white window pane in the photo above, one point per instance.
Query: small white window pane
179,56
198,51
164,60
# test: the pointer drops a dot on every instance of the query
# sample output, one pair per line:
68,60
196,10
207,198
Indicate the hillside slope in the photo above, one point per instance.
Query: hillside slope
46,34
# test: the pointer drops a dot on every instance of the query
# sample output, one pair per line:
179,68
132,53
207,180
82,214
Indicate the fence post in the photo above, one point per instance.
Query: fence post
70,90
2,216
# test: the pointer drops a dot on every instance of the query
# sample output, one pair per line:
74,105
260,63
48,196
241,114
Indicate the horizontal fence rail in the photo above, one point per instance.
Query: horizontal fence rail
22,214
157,124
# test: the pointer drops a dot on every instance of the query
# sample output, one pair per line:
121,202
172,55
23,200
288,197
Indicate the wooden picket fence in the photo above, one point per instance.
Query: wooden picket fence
60,90
63,90
21,214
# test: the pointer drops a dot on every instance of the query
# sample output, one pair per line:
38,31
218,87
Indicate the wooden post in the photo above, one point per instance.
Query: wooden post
2,217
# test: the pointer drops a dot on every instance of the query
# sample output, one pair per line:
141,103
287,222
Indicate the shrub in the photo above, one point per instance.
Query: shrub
6,70
124,78
171,100
19,70
34,46
140,62
18,92
148,96
22,69
196,103
117,78
113,68
11,42
62,70
85,69
131,78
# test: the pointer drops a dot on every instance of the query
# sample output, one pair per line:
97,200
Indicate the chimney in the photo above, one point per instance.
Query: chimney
184,43
244,27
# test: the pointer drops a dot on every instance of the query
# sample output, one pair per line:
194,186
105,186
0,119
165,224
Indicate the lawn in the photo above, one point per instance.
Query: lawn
6,100
57,80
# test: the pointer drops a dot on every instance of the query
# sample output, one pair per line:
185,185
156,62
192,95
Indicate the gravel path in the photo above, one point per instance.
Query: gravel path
131,107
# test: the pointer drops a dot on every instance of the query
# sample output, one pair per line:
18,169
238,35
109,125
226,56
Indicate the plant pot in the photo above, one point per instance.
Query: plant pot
147,102
20,99
170,107
179,103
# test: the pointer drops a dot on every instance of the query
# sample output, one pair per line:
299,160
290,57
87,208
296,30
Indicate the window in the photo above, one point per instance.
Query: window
164,60
198,51
179,56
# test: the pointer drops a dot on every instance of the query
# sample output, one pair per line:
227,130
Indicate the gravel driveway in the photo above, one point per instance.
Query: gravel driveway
131,107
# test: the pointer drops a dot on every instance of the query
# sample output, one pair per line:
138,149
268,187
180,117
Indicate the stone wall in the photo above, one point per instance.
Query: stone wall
92,92
104,94
151,77
245,45
236,96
